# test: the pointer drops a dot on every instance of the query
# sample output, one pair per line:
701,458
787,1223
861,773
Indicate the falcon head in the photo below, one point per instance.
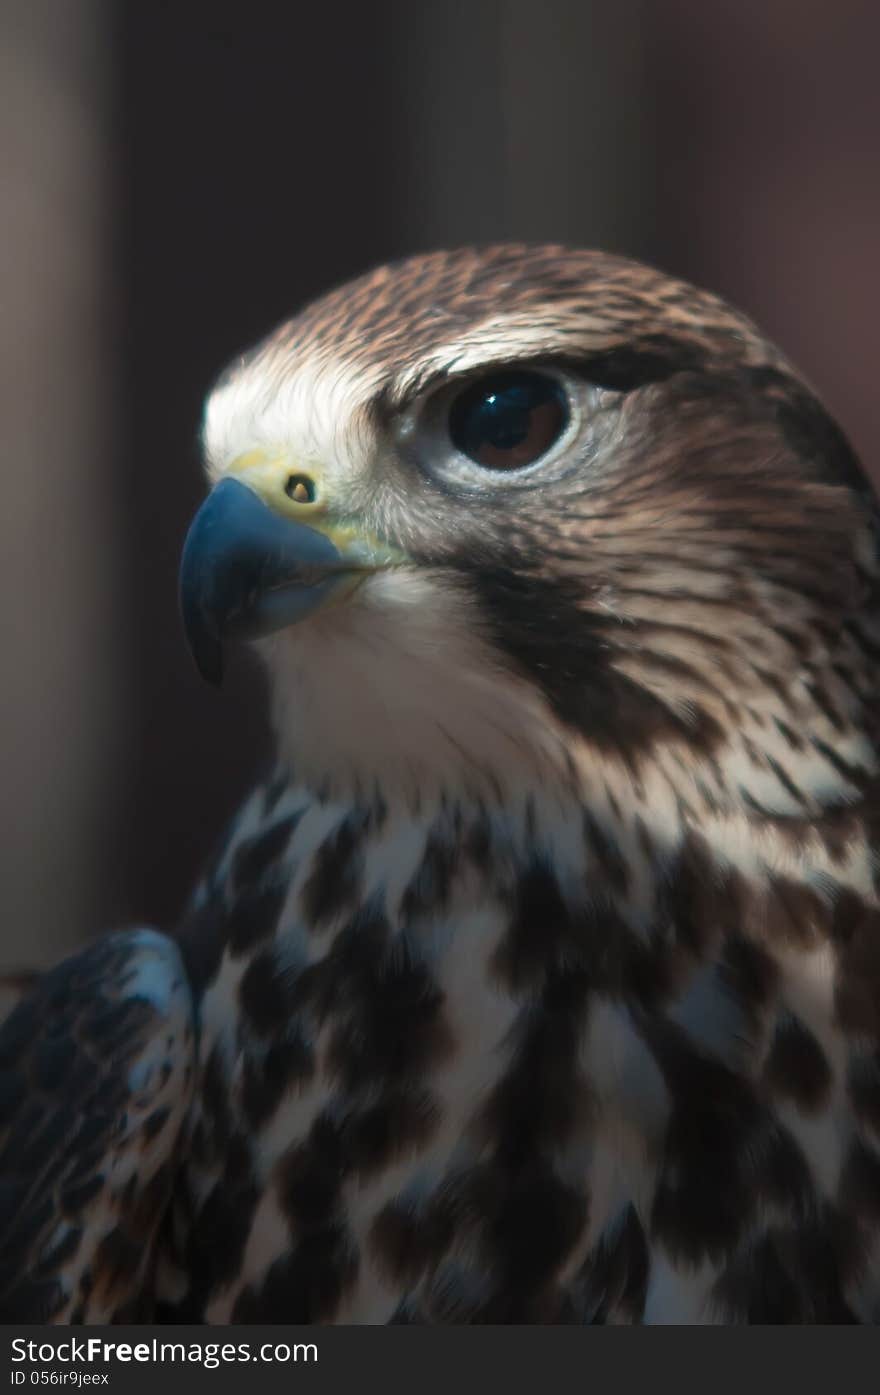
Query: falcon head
514,517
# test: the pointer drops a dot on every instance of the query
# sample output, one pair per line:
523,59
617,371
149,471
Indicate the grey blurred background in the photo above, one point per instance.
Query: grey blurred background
178,177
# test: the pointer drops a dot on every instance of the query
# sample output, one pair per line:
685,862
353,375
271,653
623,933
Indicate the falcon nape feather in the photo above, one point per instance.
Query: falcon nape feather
541,983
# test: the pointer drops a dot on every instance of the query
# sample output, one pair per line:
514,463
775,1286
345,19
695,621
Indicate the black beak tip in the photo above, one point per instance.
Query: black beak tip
203,641
208,656
202,637
197,581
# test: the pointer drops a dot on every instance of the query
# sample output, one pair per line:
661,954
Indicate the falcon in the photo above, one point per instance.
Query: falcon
540,982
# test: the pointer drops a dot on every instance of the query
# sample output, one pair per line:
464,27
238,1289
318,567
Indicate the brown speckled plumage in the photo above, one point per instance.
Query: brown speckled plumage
542,981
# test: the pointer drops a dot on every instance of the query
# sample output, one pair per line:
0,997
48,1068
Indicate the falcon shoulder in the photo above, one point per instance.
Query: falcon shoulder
96,1073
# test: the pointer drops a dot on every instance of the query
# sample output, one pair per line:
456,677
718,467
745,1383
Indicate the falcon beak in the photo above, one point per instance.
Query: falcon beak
261,554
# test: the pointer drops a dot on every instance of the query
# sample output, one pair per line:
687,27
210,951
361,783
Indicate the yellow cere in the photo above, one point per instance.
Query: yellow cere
267,474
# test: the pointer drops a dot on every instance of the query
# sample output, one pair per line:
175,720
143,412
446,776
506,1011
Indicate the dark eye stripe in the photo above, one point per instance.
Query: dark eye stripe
508,420
628,367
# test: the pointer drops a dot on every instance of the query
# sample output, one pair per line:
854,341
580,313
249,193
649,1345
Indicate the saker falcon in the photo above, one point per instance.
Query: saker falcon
541,981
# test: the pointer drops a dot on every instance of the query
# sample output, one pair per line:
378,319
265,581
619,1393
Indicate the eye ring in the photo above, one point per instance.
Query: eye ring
509,419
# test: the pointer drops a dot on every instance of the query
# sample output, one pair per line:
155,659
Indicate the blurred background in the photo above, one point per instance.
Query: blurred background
177,177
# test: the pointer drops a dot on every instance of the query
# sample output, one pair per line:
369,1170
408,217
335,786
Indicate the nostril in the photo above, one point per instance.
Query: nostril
300,488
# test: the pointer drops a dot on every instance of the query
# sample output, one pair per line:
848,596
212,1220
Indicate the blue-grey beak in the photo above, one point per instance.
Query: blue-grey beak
247,571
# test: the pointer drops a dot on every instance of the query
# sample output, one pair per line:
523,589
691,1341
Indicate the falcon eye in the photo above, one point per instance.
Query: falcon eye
508,420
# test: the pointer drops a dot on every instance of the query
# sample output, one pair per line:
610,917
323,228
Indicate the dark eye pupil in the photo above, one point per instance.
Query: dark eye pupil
508,420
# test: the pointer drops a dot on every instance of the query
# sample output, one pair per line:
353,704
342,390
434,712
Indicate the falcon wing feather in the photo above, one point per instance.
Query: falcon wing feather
96,1074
